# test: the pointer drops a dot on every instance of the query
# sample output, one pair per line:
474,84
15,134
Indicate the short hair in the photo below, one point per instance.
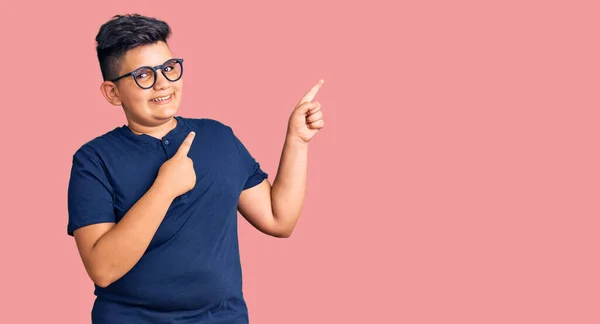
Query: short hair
123,33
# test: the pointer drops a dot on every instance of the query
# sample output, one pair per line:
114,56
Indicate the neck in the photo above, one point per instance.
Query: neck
157,131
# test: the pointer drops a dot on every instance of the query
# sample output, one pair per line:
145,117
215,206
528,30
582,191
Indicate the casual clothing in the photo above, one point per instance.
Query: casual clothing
191,271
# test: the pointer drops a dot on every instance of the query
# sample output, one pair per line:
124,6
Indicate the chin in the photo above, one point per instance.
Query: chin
165,112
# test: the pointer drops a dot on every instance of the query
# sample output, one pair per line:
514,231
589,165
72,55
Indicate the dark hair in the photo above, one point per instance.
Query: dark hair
123,33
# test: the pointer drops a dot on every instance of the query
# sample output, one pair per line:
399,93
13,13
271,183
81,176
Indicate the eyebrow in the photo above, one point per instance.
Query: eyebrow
154,65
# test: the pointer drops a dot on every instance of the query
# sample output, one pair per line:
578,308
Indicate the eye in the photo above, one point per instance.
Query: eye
143,73
168,68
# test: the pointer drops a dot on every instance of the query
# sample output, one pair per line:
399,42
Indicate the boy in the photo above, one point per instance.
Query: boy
153,205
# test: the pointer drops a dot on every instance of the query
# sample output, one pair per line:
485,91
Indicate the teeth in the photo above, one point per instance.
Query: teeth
162,98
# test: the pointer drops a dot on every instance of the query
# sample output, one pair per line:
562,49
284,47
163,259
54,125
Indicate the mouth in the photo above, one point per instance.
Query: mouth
161,100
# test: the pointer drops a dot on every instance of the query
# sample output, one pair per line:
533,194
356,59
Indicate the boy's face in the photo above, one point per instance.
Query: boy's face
141,105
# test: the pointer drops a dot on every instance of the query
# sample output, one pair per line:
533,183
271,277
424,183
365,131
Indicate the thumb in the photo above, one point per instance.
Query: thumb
306,107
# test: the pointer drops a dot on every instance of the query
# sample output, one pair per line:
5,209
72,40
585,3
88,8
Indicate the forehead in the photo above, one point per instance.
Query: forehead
146,55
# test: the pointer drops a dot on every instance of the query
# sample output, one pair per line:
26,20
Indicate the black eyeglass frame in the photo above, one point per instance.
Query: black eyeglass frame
158,67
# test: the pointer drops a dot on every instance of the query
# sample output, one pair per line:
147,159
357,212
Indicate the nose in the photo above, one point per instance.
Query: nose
161,82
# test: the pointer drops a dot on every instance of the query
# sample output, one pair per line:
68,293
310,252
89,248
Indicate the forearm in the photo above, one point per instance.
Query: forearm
120,248
289,187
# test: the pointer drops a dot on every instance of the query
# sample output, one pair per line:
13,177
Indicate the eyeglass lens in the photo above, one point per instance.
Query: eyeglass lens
145,76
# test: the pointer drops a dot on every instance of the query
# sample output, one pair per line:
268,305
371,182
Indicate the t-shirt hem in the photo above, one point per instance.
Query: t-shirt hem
254,181
73,228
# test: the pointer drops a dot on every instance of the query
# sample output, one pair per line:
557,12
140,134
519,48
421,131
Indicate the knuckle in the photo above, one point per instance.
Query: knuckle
314,118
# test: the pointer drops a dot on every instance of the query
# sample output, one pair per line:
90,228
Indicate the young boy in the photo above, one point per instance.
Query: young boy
153,204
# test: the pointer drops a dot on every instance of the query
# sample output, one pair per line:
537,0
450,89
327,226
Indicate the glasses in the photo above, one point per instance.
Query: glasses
145,76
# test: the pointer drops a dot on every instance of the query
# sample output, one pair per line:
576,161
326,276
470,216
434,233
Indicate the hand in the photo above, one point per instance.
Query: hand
177,176
307,119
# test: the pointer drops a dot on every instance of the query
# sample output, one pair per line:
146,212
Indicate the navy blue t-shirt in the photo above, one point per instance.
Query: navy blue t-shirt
191,271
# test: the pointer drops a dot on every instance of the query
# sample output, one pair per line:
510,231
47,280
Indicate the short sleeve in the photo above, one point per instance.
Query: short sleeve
90,194
255,175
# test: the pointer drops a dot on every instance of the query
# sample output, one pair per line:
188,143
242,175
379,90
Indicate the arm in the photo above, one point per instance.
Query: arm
110,250
275,210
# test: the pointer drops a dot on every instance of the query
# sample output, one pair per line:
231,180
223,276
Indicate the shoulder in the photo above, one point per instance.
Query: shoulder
95,148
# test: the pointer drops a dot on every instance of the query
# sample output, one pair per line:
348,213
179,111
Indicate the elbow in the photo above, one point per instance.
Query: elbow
278,232
102,282
283,233
102,279
284,229
287,234
277,226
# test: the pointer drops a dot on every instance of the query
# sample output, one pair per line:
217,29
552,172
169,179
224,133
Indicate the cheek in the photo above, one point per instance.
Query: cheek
138,98
178,89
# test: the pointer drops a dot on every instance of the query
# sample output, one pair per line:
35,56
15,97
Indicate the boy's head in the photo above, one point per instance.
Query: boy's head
129,47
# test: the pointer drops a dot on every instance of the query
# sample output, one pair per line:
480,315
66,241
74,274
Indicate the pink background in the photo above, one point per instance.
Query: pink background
457,179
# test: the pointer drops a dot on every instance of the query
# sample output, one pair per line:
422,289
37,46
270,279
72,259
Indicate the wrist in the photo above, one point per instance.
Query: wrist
161,190
295,141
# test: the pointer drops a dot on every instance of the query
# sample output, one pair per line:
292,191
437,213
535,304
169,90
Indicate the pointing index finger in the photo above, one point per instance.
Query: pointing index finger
310,95
184,148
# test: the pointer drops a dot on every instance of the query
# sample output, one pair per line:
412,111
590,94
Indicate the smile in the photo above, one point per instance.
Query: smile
161,99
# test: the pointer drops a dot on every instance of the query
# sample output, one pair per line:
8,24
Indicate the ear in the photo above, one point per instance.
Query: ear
111,93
